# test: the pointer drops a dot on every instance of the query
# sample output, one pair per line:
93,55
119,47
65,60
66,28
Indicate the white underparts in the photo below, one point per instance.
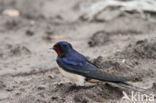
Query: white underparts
77,79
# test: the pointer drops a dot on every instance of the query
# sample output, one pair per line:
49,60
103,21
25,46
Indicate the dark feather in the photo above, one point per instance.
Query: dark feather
75,67
102,76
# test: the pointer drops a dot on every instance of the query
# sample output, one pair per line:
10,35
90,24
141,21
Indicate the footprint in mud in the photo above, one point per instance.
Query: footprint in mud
80,98
99,38
142,49
87,94
98,93
10,50
112,66
10,23
18,50
129,61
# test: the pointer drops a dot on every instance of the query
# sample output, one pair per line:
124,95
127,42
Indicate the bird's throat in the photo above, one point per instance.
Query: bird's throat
58,51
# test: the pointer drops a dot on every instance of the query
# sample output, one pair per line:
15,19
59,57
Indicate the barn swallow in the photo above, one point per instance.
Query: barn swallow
78,68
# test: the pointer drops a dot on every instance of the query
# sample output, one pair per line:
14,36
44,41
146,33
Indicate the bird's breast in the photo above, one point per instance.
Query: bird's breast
78,79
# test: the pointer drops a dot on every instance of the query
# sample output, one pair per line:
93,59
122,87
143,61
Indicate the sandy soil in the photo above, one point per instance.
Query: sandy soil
125,46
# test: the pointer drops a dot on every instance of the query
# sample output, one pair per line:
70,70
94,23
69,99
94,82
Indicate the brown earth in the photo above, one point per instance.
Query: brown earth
124,46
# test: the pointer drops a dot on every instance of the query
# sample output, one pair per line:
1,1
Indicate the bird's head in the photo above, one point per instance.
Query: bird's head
62,47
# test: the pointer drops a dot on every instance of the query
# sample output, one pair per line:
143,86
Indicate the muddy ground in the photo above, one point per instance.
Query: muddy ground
124,46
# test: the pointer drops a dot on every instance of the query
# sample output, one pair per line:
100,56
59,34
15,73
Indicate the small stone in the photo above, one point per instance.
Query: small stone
29,33
11,12
50,76
18,93
9,89
54,98
41,87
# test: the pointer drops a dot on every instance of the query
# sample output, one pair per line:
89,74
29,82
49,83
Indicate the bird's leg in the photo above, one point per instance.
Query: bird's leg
91,83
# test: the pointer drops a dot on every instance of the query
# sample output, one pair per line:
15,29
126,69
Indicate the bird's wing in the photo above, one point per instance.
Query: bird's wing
75,65
102,76
89,70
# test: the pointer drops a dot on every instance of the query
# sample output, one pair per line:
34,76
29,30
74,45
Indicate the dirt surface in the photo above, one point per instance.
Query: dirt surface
124,46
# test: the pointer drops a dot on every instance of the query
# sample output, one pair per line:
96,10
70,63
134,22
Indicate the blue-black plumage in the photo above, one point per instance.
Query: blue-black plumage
76,67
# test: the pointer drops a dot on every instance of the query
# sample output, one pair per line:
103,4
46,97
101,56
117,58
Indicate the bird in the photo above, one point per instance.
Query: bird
78,69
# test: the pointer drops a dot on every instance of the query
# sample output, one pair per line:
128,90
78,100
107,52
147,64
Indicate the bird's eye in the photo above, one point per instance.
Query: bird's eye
64,45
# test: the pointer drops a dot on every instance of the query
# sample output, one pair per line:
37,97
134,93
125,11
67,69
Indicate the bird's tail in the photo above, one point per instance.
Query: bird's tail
102,76
128,86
